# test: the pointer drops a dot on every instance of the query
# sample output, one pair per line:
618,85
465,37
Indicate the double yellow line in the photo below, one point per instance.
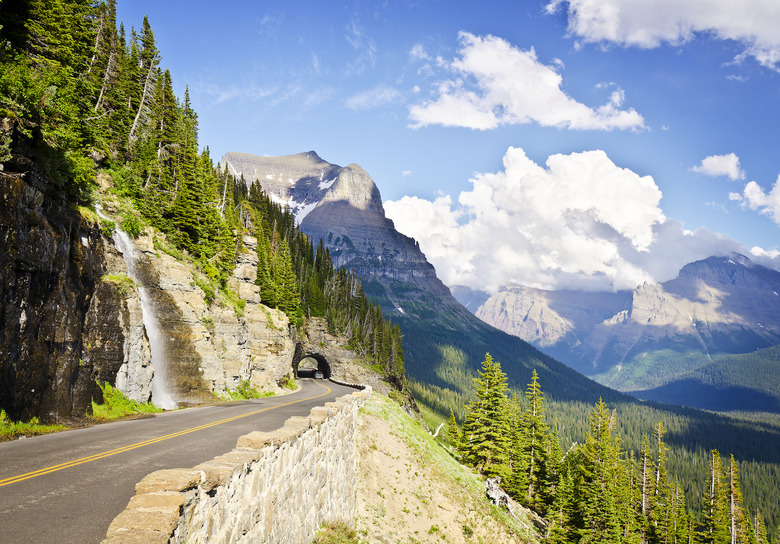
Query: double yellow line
137,445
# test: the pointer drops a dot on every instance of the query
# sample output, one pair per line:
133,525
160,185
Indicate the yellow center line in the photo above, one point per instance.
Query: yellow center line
137,445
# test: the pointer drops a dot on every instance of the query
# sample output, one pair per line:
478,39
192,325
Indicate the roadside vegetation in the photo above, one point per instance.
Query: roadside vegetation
11,430
117,406
336,533
244,391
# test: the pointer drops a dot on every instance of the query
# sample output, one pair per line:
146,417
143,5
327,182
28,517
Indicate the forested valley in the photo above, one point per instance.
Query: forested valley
85,103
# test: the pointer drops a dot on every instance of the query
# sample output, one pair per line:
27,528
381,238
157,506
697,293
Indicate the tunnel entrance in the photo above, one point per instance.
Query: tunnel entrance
313,366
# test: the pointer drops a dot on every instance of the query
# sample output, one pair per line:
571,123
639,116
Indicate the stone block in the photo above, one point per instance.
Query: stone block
318,415
164,500
256,440
298,422
153,524
174,479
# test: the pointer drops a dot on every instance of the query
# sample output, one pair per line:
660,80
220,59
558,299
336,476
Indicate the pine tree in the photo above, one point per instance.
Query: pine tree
661,513
738,529
715,529
601,472
534,430
486,429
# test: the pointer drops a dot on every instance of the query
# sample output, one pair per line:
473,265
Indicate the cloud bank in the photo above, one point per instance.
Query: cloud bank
752,23
494,83
578,222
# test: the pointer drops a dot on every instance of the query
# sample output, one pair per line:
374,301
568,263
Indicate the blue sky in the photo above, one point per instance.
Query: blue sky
593,143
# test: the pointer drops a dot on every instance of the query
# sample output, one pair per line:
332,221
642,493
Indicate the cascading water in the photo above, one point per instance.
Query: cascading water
161,395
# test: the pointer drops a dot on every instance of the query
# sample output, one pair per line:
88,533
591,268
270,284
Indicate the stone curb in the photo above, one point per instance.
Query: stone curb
162,498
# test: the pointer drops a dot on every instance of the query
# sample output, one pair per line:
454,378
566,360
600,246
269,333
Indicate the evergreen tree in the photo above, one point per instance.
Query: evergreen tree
715,529
486,428
601,473
534,453
738,529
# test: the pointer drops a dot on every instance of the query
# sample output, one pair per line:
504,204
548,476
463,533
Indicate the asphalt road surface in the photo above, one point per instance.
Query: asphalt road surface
67,487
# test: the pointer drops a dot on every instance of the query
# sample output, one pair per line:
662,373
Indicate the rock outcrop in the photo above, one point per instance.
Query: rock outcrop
51,260
340,363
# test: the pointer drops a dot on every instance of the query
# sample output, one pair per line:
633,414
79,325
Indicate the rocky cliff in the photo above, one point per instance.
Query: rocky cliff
72,317
51,263
641,339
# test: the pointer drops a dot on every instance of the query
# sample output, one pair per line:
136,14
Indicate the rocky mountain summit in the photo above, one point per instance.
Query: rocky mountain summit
645,338
343,207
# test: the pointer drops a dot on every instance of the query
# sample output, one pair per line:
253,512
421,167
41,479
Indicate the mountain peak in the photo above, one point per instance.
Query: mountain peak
355,187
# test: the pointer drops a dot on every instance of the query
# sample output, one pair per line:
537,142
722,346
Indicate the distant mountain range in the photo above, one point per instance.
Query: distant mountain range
661,341
444,342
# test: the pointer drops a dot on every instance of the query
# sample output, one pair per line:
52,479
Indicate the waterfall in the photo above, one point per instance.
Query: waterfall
161,395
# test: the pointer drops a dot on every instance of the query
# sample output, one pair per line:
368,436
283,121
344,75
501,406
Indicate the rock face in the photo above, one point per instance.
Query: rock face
642,339
298,181
208,346
51,260
334,359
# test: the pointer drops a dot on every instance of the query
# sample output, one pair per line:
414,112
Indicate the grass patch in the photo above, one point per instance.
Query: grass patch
124,283
244,391
10,430
336,533
116,405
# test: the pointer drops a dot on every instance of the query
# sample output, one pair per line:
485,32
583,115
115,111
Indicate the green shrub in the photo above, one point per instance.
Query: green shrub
107,227
116,405
131,225
244,391
124,283
10,430
336,533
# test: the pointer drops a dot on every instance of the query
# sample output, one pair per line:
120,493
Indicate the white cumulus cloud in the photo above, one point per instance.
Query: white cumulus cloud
580,222
494,83
755,198
753,23
721,165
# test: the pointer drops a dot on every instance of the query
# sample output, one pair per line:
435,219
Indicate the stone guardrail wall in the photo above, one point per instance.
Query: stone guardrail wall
277,486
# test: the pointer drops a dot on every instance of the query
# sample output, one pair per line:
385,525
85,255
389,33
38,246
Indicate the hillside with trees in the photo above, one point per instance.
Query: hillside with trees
83,98
595,490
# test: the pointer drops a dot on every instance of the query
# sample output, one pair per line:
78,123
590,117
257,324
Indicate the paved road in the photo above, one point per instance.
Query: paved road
67,487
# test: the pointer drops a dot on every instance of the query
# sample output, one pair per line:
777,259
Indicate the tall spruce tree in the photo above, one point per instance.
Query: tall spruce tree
715,528
486,428
534,452
601,471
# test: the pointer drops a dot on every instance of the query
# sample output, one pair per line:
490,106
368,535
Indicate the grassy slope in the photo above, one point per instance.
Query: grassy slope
411,489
